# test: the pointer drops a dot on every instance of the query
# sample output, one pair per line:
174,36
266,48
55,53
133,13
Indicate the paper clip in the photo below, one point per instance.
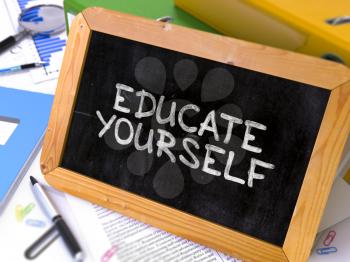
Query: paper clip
35,223
109,253
21,212
329,238
28,208
326,250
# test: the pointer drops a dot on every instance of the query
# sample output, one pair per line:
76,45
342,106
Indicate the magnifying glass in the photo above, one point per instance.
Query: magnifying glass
39,19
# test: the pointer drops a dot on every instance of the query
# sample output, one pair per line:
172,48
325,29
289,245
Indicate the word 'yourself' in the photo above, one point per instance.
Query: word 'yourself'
166,140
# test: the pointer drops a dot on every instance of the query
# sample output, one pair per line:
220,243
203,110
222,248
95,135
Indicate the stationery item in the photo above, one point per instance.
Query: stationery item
21,67
199,135
22,212
329,238
41,19
35,223
320,29
30,112
17,236
332,244
59,224
326,250
42,243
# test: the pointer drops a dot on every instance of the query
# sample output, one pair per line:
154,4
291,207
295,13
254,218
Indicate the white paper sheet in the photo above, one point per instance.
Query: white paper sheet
337,208
18,232
333,244
111,236
6,130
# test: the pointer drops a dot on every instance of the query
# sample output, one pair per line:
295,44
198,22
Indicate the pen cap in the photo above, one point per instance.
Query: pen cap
68,238
43,242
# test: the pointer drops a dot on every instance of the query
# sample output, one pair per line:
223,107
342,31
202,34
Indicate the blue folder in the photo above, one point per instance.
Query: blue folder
31,111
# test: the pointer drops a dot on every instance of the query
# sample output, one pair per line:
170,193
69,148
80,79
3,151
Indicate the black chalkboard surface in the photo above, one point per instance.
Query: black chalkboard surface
234,124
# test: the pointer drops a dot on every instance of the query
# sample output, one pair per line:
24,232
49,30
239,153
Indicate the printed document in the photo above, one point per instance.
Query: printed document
111,236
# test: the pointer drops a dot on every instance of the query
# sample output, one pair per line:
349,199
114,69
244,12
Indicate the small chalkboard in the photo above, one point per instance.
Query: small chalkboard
173,133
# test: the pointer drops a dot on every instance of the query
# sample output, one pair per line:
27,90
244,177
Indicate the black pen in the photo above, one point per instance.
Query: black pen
58,221
21,67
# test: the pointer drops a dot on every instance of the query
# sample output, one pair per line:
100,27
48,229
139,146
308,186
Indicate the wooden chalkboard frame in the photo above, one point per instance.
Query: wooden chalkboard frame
320,172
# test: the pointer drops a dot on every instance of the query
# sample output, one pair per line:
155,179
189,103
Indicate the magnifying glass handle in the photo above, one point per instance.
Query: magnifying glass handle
11,40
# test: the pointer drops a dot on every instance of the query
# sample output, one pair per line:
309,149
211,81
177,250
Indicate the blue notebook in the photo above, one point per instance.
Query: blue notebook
23,119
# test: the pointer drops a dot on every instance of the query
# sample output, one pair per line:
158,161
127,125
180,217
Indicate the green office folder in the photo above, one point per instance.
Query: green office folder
147,8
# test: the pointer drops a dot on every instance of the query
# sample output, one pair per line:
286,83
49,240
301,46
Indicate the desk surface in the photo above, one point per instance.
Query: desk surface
17,236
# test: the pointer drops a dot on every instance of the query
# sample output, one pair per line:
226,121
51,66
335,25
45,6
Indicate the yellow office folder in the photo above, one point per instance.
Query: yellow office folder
316,27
